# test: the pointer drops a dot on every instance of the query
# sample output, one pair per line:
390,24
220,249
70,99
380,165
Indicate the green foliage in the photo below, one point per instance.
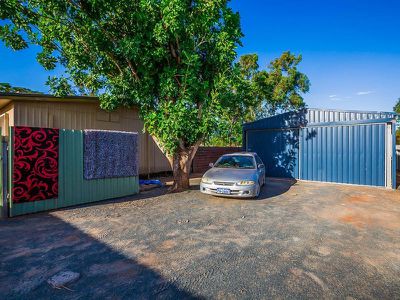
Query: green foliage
8,88
396,108
169,57
251,94
281,86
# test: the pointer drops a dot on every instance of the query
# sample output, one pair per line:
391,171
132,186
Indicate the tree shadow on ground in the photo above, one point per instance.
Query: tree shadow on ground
35,248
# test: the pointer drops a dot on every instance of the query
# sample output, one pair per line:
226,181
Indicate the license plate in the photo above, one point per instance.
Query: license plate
224,191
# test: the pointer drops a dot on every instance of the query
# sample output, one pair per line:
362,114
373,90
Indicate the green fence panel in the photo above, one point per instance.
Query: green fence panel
73,188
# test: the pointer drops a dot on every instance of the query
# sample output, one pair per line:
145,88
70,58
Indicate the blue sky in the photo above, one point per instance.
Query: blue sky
351,49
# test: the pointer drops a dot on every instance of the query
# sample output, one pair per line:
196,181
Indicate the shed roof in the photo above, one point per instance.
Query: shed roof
314,116
6,98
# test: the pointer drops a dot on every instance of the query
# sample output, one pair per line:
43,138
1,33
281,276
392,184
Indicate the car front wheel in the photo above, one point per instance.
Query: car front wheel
258,189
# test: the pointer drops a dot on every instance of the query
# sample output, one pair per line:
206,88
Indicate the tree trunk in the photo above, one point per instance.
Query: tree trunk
181,163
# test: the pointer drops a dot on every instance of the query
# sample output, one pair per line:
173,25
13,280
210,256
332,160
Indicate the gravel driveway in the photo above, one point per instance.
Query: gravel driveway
299,240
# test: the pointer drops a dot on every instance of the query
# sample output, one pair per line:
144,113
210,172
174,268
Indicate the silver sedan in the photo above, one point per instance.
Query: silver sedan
239,175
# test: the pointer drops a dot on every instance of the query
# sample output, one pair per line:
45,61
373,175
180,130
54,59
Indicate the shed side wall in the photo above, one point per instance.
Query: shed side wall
6,118
327,116
278,149
302,118
89,116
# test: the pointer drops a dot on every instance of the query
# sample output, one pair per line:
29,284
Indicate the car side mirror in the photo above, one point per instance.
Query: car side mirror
260,166
211,165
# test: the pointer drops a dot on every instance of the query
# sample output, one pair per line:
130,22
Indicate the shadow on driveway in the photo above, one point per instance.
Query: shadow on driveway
297,241
273,187
34,248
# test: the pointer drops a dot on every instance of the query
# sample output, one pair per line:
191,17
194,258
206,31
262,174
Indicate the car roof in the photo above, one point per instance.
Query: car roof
241,153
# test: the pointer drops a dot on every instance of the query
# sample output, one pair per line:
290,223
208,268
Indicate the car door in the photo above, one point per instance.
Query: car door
260,168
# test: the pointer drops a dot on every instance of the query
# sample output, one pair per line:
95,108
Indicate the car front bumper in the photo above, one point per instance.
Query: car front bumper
237,191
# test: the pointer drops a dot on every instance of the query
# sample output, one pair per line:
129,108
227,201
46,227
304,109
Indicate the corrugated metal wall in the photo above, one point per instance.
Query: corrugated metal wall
334,146
89,116
326,115
278,149
311,116
6,118
344,154
281,121
73,188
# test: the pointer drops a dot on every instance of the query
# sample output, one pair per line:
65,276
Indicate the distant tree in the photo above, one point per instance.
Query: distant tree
171,58
255,94
8,88
396,108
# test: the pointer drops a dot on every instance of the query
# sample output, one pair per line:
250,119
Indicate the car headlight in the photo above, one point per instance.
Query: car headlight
246,182
206,180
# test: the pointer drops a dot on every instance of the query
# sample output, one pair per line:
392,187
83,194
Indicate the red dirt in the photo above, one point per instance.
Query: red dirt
357,220
360,198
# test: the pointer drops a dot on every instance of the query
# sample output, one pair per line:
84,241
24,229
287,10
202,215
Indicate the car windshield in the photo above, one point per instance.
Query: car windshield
236,161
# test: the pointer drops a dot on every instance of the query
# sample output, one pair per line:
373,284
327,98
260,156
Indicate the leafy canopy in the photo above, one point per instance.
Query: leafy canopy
169,57
252,93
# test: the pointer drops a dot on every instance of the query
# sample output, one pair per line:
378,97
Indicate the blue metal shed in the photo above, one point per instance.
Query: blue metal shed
353,147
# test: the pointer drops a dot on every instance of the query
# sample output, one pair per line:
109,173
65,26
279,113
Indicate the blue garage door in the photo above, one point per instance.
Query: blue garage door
278,149
345,154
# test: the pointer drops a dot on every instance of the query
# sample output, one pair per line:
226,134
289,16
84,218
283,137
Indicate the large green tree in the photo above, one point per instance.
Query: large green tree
168,57
252,93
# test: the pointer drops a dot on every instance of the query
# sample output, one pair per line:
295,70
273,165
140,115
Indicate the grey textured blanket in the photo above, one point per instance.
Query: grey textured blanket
109,154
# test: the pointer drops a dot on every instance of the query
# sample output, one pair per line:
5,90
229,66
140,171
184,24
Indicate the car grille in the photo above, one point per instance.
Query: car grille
224,183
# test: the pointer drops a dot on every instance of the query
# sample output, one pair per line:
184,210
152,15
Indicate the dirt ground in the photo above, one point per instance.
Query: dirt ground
298,240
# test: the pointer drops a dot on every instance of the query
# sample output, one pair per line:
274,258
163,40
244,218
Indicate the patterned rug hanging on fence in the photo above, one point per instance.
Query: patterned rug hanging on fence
110,154
35,164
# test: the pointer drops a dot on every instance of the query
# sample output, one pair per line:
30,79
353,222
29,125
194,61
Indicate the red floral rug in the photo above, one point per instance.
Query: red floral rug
35,164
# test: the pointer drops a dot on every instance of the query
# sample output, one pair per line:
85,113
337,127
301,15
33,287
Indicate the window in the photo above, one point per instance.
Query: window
236,162
258,160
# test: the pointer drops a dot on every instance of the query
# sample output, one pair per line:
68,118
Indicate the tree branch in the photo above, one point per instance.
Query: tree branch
134,73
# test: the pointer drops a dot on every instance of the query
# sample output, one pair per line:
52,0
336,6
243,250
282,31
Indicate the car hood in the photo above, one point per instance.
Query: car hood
226,174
